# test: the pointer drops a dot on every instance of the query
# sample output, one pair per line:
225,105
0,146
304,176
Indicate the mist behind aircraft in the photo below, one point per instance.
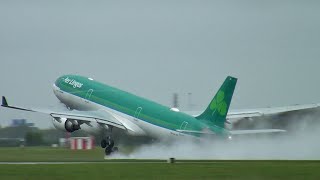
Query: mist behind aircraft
301,142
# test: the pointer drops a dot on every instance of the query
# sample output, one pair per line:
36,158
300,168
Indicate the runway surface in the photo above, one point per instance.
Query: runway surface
123,161
151,162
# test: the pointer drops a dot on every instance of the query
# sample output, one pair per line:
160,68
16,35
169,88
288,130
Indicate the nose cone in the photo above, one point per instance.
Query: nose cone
58,81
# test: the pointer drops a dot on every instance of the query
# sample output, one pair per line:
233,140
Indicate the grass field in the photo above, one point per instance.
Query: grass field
37,154
116,169
214,170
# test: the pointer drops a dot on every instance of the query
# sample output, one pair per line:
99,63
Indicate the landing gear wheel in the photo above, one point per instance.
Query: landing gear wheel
103,143
110,143
108,151
109,146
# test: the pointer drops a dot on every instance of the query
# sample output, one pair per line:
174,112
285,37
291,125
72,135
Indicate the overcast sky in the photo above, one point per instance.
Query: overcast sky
156,48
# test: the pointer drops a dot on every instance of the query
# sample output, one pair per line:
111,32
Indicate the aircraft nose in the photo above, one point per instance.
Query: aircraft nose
58,82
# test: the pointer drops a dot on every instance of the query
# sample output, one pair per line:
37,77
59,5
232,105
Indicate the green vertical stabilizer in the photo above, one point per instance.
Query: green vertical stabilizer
218,108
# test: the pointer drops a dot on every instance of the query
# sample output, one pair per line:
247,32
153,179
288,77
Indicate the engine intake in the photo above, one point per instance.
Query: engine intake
71,126
65,124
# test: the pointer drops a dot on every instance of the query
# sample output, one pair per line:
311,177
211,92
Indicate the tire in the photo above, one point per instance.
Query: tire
108,151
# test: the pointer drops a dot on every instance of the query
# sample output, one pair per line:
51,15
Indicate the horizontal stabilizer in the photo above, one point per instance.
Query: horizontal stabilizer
196,132
258,131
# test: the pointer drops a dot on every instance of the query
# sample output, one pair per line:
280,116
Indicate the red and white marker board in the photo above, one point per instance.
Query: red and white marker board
81,143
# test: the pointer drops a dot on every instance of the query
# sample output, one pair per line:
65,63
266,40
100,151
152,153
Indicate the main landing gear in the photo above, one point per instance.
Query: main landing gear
108,144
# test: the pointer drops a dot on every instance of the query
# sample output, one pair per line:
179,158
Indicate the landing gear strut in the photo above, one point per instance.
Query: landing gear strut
108,144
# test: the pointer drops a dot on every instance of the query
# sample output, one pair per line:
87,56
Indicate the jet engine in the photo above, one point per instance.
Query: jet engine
65,124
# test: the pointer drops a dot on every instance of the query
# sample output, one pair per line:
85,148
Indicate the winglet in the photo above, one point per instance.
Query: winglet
4,102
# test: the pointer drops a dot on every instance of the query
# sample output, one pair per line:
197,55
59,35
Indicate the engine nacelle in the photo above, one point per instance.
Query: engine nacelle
65,124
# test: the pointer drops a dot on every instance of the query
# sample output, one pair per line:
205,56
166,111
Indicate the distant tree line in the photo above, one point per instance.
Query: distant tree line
32,136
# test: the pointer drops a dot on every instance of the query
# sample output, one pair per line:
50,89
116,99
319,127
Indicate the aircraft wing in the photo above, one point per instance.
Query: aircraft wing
270,111
234,132
195,132
250,113
101,117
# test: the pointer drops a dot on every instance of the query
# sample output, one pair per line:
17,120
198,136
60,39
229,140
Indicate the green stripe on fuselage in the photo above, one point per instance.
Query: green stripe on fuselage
127,103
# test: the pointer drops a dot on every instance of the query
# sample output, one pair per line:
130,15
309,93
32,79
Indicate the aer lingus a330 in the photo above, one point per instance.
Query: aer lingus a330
98,108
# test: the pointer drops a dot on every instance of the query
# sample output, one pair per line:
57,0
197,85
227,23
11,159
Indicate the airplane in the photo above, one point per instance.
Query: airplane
98,108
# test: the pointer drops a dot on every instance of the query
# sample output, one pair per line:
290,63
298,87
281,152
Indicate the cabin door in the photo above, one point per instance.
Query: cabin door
183,127
137,113
88,95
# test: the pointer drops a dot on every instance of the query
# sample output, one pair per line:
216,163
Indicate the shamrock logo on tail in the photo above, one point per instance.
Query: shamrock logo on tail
218,104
